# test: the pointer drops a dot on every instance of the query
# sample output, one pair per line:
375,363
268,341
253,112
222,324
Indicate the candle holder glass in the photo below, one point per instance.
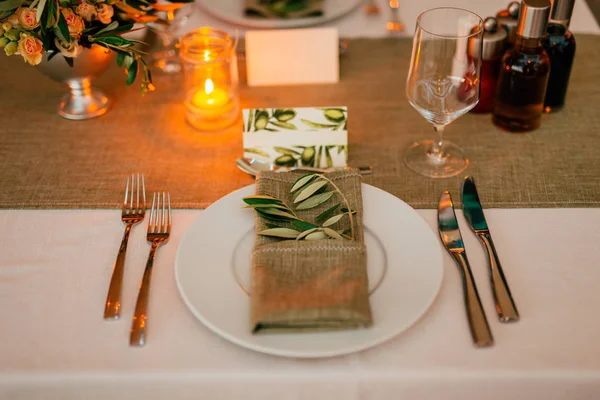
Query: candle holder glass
210,79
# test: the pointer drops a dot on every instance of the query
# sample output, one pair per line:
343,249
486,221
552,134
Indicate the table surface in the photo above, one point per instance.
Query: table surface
55,267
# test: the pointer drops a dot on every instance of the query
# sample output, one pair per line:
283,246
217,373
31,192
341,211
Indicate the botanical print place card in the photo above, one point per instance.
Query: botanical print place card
290,137
292,56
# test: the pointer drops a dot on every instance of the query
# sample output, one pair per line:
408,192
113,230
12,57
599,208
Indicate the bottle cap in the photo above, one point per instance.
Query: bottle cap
562,10
494,38
533,18
509,18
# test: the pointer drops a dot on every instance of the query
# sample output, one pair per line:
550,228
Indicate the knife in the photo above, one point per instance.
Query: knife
505,305
452,239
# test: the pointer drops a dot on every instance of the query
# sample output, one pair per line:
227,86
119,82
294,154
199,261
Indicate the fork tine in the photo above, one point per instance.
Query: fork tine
143,194
163,217
170,214
132,188
137,200
151,221
126,193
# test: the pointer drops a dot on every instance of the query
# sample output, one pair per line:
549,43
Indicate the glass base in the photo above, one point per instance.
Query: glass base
422,158
167,61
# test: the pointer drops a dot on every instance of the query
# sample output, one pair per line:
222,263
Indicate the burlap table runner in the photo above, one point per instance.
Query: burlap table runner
49,162
310,285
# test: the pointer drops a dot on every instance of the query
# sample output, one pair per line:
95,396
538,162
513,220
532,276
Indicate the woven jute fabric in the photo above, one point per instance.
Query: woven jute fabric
316,285
49,162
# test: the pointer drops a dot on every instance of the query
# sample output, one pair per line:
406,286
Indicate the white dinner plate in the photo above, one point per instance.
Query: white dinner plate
404,263
232,11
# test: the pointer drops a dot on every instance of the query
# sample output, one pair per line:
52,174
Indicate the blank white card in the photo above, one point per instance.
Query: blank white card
292,56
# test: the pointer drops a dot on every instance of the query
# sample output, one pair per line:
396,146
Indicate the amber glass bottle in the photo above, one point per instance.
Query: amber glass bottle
559,43
524,72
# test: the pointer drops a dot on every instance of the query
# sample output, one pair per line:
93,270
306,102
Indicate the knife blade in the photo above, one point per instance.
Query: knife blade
505,304
452,240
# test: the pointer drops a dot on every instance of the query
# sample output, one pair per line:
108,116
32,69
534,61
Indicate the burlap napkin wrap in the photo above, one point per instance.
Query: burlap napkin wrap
268,9
310,285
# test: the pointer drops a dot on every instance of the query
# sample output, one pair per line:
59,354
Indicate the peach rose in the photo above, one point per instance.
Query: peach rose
74,22
26,18
72,49
31,49
86,11
105,13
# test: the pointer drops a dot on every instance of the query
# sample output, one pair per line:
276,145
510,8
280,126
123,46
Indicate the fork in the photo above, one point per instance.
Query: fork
130,215
394,24
159,229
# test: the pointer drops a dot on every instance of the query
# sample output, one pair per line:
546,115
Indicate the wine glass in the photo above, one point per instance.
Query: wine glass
443,84
171,17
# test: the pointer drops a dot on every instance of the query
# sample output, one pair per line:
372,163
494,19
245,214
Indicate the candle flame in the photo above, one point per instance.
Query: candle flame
209,86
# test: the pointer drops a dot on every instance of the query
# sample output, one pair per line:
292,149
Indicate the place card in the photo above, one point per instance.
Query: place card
290,137
292,56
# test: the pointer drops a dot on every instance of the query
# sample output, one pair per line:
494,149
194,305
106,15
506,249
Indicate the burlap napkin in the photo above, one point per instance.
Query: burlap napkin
284,8
310,285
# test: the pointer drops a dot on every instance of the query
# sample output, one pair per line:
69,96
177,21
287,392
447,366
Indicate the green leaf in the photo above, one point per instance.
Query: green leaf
7,13
284,125
6,5
120,59
326,214
278,212
310,190
272,205
316,236
271,217
63,28
40,10
333,219
256,151
315,201
132,72
345,210
270,226
328,158
286,151
303,225
260,199
317,125
285,233
69,61
333,234
109,27
250,118
302,181
306,233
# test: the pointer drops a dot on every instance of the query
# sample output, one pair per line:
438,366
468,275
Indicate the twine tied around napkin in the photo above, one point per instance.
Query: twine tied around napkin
301,286
284,8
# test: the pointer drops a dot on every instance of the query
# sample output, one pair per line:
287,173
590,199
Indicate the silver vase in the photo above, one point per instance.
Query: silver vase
84,101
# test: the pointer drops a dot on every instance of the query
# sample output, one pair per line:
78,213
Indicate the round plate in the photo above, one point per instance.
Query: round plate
232,11
403,255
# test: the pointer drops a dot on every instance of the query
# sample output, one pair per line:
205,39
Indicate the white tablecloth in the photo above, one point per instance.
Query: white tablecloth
55,268
358,24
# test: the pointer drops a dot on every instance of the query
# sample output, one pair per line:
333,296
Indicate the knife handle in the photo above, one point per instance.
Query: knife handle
505,305
480,330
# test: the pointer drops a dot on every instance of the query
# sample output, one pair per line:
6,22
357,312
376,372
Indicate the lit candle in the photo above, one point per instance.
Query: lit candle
211,97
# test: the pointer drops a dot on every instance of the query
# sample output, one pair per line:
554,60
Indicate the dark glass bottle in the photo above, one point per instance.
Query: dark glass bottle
524,72
491,50
559,43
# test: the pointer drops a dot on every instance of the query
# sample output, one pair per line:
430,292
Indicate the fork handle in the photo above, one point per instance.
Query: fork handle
112,307
137,335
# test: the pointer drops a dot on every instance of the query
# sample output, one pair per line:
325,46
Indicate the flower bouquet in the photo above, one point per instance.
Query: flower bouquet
87,34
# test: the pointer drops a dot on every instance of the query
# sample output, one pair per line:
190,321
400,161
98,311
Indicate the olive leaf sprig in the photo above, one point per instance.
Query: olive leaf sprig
308,192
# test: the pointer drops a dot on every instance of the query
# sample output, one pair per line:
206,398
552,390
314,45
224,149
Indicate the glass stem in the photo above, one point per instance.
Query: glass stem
437,149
